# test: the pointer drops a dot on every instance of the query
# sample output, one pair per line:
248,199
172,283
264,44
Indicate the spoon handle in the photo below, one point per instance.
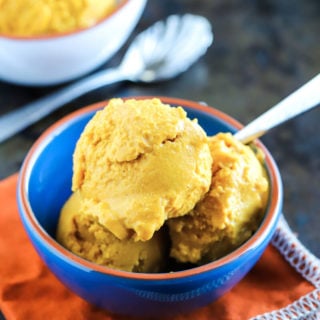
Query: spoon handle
305,98
17,120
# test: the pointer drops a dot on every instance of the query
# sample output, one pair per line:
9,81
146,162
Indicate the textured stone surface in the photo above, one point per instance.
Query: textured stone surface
263,50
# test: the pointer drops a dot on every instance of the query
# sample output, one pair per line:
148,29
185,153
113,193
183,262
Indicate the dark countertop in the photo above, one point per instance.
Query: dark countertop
263,50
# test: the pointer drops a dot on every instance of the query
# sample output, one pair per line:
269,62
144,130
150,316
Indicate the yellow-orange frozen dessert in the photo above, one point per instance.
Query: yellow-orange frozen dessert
232,209
139,163
141,168
84,236
46,17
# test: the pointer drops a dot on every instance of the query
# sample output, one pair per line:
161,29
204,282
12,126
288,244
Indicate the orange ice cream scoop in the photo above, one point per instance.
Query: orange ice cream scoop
232,209
139,163
27,18
85,237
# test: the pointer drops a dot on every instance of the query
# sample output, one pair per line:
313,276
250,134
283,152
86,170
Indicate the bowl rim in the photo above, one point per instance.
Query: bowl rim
67,33
268,223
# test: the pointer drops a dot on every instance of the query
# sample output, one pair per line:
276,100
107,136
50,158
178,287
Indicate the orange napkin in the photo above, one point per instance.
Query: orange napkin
29,291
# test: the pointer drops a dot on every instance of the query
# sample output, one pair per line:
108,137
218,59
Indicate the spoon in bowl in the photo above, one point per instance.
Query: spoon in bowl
301,100
161,52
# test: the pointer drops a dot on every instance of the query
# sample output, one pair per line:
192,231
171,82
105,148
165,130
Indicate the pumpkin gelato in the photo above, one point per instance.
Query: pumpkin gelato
25,18
86,237
232,209
137,164
148,181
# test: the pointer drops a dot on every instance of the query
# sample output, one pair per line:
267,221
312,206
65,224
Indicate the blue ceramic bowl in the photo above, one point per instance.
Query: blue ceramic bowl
44,186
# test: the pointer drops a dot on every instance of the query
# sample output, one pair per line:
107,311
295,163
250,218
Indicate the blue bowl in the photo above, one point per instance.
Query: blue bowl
45,184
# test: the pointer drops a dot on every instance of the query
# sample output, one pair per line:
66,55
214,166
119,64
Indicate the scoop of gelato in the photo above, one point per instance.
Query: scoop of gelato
42,17
232,209
84,236
139,163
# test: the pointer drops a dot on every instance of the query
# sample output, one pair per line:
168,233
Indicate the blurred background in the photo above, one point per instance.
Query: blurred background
263,50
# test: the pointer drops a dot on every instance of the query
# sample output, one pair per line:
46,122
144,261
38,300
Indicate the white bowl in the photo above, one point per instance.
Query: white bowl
39,61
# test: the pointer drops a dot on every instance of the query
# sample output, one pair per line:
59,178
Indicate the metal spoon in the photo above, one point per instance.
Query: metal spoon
161,52
303,99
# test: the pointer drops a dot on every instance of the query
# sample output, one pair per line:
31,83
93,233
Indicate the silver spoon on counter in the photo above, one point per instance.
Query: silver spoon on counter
301,100
159,53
